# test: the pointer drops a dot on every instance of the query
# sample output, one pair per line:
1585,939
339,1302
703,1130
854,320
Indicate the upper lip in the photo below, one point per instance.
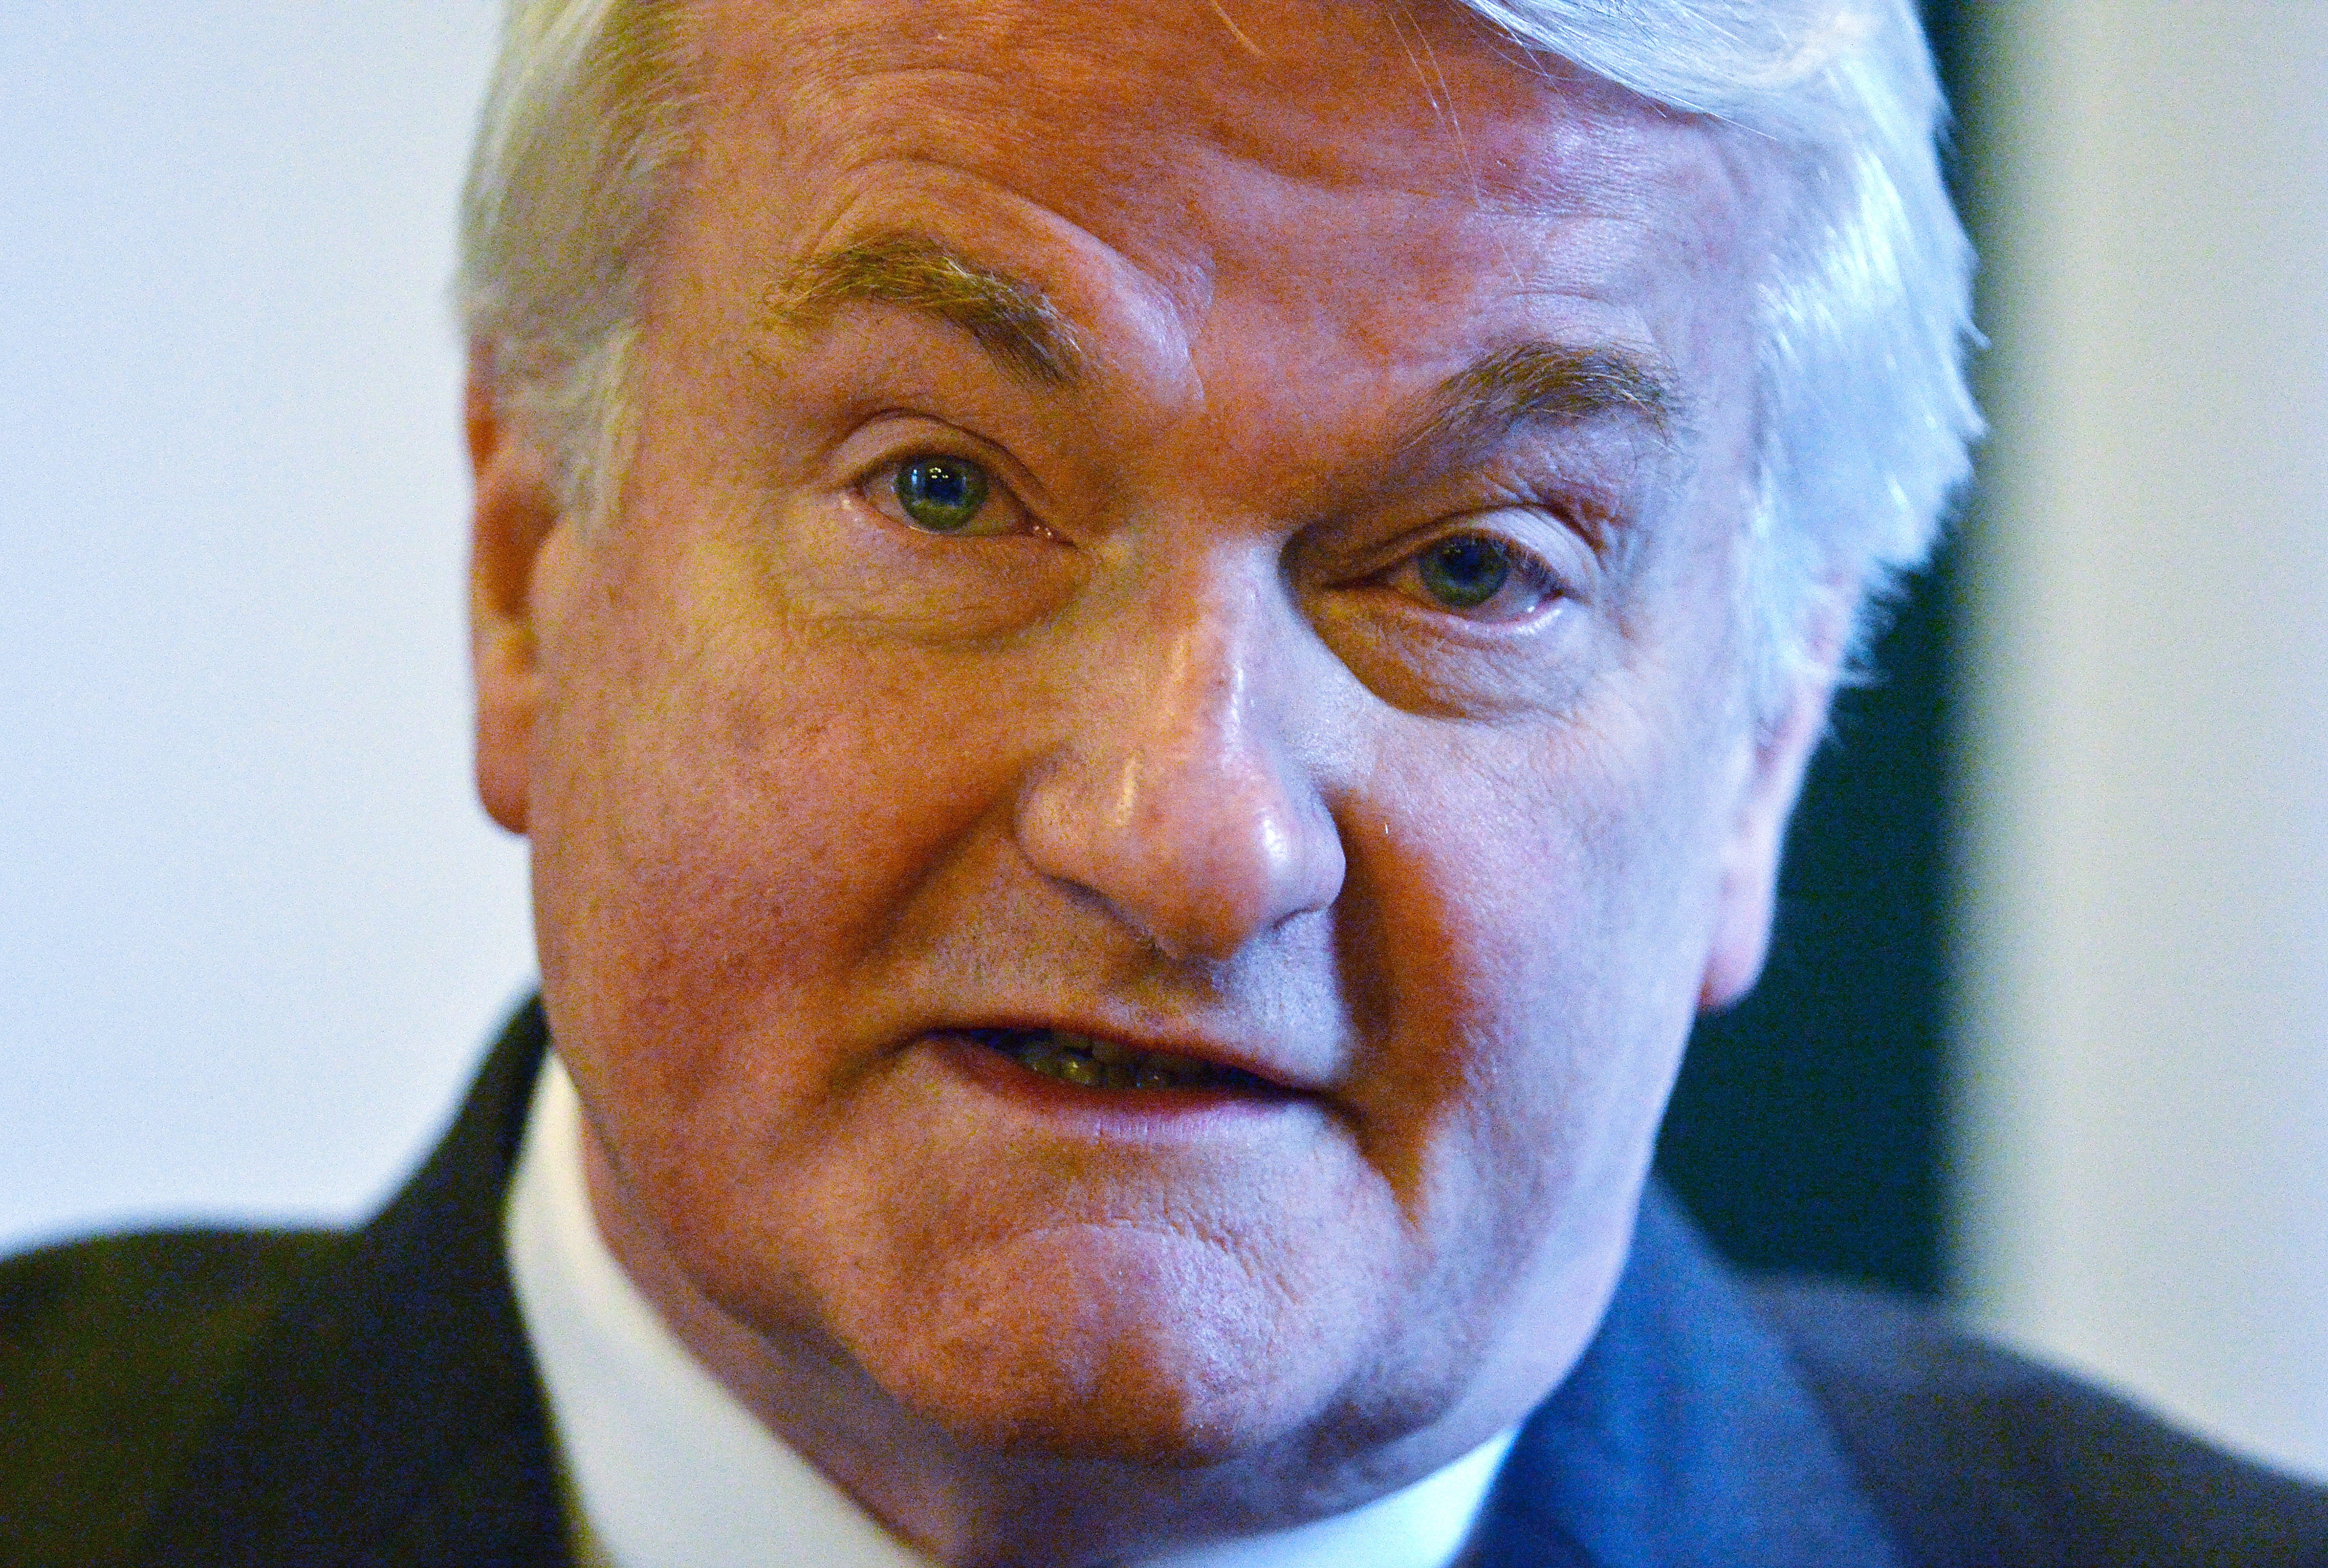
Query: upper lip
1271,1066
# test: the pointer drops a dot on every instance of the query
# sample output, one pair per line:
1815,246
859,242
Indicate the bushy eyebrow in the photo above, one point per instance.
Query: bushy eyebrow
1531,383
1011,319
1538,383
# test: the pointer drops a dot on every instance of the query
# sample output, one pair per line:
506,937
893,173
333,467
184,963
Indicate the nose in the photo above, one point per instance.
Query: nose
1173,795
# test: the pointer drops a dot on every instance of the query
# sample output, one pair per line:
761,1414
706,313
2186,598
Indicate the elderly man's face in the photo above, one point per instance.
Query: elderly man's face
1130,815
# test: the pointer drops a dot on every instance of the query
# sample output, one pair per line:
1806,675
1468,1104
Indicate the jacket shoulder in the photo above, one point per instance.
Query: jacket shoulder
115,1355
1976,1455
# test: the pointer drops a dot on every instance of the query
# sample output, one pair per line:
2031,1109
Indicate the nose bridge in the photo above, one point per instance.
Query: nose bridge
1195,707
1179,793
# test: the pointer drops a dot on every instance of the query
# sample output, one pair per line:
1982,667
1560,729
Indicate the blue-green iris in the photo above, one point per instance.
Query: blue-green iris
943,494
1464,572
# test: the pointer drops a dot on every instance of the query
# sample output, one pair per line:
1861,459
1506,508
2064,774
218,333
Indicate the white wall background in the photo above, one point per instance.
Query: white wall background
2145,1133
252,928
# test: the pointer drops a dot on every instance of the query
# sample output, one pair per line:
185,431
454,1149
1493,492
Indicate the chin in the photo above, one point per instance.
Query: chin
1141,1348
1136,1415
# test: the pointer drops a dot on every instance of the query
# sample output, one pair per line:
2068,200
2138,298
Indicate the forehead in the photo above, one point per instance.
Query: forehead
1325,91
1262,146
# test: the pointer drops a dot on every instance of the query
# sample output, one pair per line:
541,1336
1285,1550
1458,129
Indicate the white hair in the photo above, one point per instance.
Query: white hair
585,120
1864,419
1862,416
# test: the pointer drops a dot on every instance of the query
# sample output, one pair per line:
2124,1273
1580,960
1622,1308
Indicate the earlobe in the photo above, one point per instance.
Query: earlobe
516,511
1749,870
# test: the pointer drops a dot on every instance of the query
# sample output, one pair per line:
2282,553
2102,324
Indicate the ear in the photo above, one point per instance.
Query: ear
517,511
1749,865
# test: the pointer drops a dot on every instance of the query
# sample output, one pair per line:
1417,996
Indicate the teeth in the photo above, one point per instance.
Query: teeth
1105,1064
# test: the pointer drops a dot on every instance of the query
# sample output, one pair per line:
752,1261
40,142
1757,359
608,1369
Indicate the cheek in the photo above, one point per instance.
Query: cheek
733,811
1538,942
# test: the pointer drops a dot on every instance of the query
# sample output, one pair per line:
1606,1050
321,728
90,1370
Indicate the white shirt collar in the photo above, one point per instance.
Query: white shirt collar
665,1468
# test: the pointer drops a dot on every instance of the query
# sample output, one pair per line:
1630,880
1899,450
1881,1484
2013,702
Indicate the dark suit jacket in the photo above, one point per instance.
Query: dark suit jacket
203,1398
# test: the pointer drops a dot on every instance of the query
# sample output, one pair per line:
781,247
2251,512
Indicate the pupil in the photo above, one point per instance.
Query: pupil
1465,573
941,493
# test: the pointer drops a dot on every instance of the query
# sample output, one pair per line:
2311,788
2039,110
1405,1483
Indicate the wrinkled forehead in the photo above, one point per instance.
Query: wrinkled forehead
1326,93
1375,182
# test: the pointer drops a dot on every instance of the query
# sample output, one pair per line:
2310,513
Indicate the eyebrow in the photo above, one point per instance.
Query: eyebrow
1532,383
1539,383
1009,317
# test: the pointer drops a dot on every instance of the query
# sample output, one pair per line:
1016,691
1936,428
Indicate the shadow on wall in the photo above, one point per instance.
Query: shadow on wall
1805,1134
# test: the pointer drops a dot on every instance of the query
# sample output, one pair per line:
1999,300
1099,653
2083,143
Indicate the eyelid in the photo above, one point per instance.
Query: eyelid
876,488
1546,585
893,435
1555,537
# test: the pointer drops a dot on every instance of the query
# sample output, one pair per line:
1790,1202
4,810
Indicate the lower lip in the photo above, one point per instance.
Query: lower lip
1165,1111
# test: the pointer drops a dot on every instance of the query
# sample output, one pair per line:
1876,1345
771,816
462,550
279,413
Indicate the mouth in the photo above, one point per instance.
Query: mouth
1109,1066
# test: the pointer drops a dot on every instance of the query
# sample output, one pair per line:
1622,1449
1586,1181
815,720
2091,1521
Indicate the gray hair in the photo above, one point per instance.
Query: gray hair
1862,416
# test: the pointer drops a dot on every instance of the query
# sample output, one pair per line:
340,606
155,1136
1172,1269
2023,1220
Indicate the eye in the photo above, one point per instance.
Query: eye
1464,572
947,495
1476,576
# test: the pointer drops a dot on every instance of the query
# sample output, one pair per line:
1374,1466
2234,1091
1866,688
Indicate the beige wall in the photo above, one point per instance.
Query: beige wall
252,927
2144,1138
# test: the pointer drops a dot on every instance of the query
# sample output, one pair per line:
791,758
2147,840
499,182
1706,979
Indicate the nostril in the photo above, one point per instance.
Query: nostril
1173,802
1196,881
